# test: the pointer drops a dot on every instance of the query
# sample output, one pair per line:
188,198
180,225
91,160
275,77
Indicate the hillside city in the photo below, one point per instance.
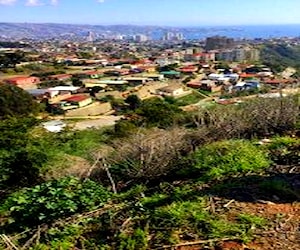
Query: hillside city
85,79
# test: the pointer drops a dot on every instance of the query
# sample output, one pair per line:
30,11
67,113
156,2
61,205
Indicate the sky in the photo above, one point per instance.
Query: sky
152,12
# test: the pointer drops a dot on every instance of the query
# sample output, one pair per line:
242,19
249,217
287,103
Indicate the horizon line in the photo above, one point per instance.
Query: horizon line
154,25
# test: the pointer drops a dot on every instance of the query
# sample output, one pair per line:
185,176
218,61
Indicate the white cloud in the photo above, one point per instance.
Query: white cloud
101,1
7,2
34,3
53,2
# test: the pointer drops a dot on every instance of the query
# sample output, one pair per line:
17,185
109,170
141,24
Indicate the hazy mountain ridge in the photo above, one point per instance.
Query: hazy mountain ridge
44,30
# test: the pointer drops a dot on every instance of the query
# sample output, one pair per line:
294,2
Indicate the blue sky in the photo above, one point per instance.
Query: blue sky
152,12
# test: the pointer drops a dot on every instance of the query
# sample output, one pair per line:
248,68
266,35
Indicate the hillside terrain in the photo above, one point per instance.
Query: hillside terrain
224,177
281,56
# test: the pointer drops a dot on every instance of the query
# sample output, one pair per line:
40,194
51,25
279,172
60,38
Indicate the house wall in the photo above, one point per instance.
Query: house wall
60,97
27,85
176,92
91,110
85,102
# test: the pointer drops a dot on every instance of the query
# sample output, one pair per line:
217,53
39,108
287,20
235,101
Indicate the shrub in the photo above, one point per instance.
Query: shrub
20,159
147,156
15,101
124,128
157,112
186,220
52,200
137,241
227,158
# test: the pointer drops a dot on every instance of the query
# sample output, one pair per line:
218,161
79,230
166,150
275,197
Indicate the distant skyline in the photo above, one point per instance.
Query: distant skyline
152,12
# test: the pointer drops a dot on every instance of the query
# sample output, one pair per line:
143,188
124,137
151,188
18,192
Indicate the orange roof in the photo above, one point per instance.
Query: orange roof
92,72
61,76
18,78
245,75
194,84
188,70
22,79
77,98
276,81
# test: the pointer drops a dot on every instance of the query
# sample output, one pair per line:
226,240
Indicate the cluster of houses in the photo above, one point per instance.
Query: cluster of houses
140,77
238,79
140,73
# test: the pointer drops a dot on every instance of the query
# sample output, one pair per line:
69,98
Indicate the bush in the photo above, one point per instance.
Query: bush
157,112
252,220
186,220
147,156
124,128
52,200
227,158
14,101
254,118
21,158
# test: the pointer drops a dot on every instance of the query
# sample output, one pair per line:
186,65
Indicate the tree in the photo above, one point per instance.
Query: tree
20,158
9,60
157,112
134,101
169,67
14,101
77,82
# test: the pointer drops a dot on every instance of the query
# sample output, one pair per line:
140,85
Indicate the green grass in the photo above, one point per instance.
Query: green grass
252,220
189,99
224,159
205,92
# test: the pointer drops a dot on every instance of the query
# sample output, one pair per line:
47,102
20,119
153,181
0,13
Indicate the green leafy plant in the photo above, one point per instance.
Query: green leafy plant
227,158
252,221
136,241
15,101
52,200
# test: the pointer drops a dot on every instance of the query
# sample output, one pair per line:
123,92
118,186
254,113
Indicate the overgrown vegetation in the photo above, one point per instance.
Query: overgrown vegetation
227,158
280,56
16,102
159,178
189,99
52,200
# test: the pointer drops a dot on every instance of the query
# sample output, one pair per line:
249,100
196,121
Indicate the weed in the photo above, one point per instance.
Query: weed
228,158
252,220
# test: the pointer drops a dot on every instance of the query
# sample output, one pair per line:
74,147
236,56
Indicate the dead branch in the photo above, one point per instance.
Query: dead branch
150,154
196,243
91,169
125,223
113,184
227,204
8,242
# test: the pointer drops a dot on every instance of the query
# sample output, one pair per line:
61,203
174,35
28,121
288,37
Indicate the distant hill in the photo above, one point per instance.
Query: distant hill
50,30
281,56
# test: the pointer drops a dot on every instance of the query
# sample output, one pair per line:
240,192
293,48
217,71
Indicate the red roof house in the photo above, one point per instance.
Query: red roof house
76,100
24,82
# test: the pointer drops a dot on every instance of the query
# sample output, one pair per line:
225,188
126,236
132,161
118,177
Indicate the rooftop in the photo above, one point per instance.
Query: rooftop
77,98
